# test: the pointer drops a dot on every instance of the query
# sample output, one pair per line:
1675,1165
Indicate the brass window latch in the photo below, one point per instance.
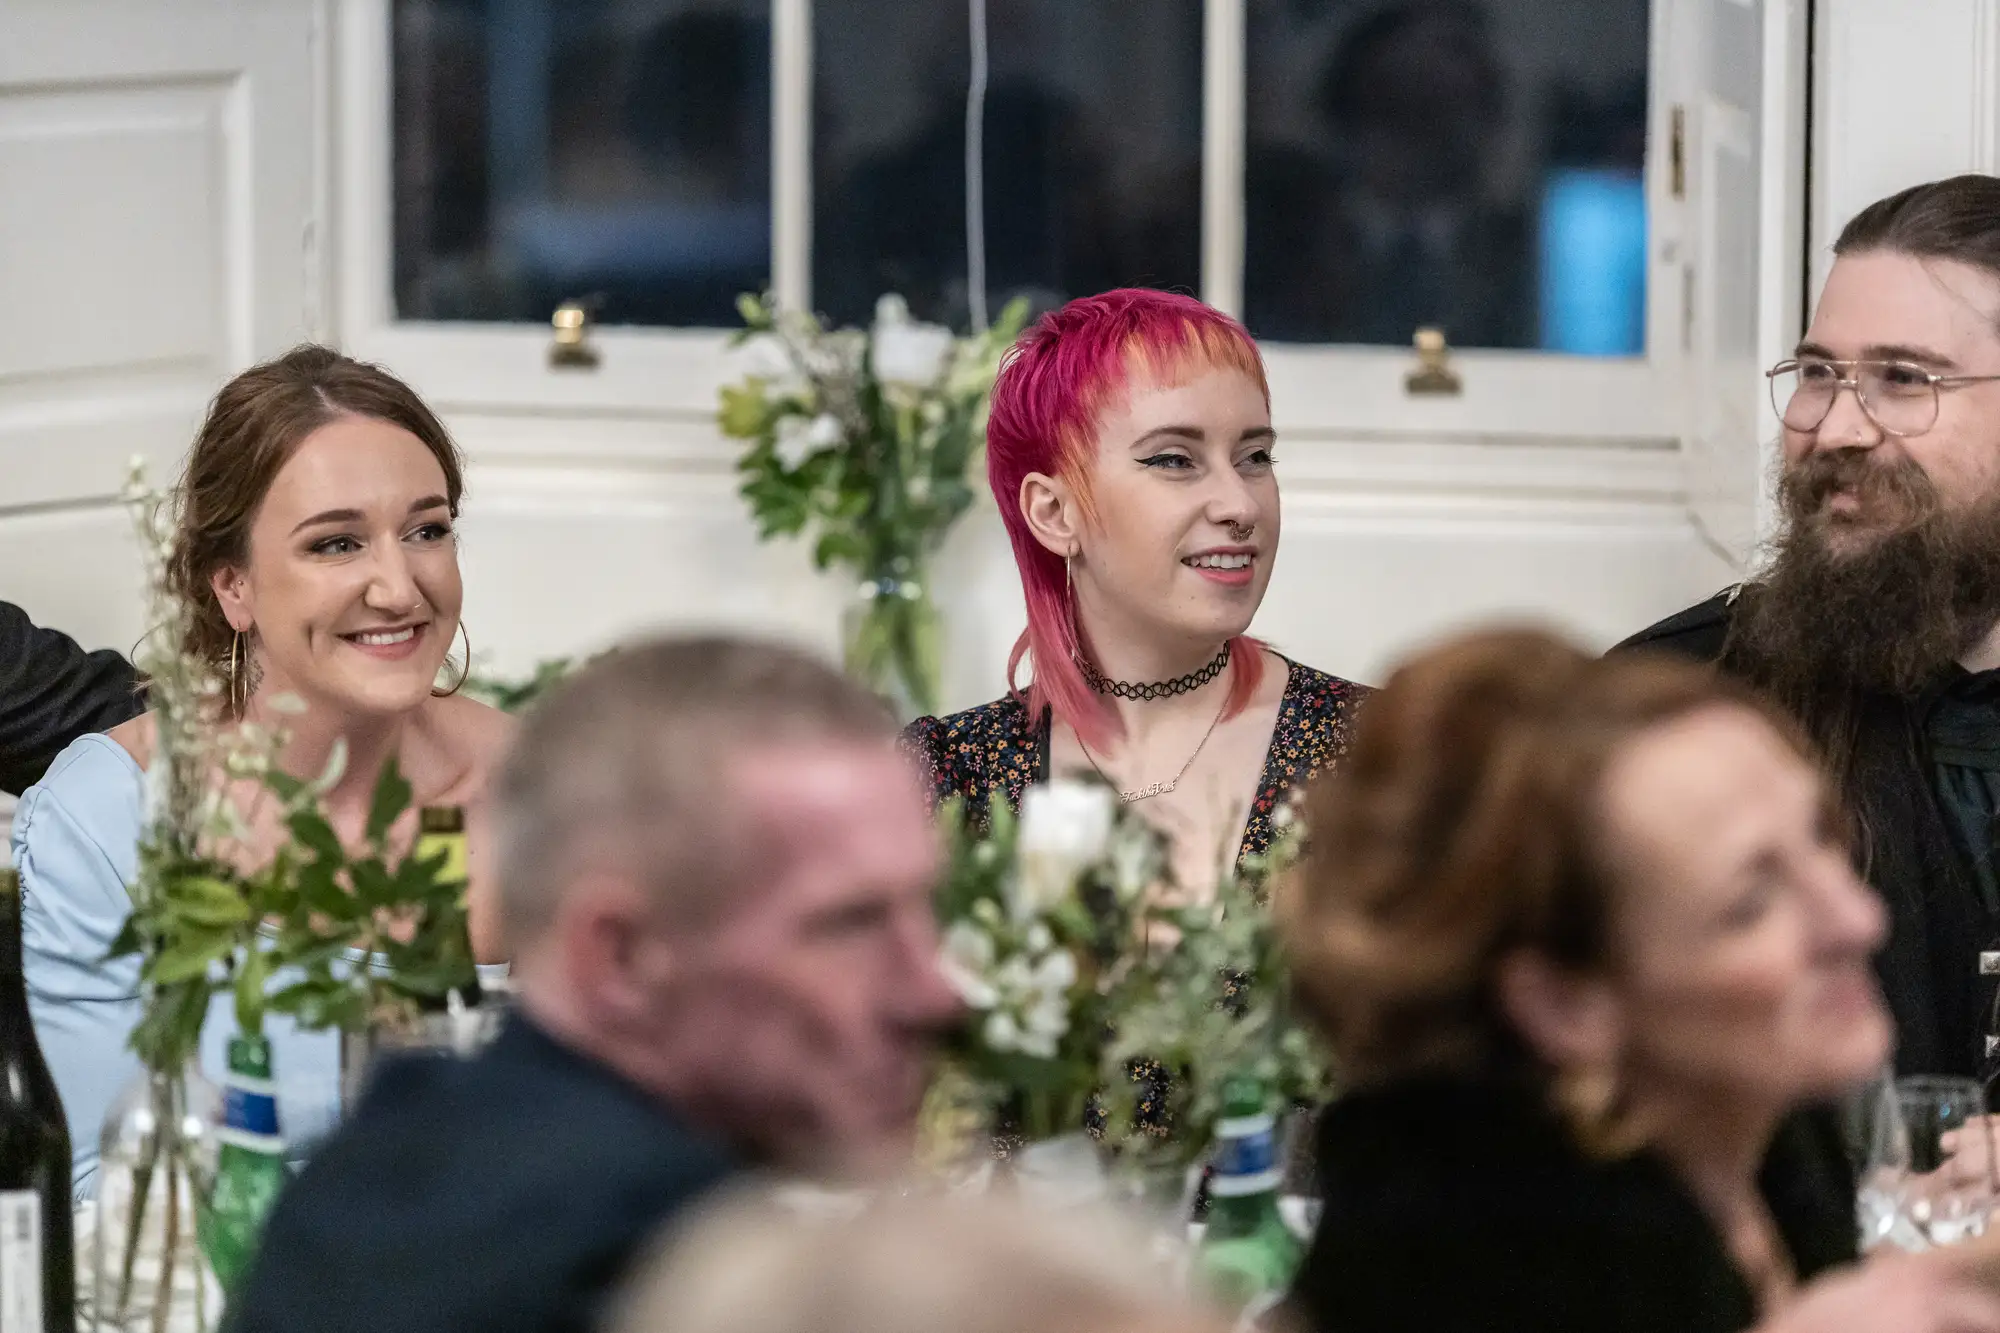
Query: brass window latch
571,348
1434,375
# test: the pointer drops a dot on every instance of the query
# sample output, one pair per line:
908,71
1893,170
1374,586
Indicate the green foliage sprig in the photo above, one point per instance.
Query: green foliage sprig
1088,973
864,440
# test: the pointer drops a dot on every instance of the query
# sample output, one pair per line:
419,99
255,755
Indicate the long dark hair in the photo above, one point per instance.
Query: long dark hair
1955,219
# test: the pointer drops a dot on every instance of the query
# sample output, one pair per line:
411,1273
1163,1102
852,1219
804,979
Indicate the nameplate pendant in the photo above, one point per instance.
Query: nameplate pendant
1157,789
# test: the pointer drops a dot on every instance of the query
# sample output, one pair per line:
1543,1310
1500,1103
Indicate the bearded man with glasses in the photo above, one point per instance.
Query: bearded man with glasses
1877,617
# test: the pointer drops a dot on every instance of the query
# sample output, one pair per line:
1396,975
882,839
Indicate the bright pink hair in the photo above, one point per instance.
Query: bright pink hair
1054,386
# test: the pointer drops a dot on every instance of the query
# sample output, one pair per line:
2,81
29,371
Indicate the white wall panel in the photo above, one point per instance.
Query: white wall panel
578,533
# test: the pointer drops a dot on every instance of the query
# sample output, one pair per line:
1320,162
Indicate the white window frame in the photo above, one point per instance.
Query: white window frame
1344,391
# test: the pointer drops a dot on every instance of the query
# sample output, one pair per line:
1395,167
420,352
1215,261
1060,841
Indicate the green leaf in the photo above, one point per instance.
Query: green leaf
391,799
128,941
190,957
206,900
313,832
754,310
374,886
745,414
250,979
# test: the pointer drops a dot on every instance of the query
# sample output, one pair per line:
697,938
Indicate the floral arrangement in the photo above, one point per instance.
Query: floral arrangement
276,938
866,441
1101,996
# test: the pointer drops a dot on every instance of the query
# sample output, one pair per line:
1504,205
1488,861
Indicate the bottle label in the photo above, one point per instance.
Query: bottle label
249,1115
1245,1147
20,1261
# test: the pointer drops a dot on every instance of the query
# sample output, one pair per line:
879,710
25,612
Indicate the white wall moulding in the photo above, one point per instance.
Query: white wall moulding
580,533
1906,92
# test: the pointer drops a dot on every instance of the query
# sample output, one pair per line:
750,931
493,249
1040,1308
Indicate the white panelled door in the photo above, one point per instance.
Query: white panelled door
1736,310
159,169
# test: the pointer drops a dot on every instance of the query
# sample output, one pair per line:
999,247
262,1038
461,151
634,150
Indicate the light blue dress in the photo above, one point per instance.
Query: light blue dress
76,844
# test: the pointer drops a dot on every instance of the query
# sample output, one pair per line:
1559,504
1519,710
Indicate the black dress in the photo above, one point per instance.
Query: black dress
1455,1206
997,747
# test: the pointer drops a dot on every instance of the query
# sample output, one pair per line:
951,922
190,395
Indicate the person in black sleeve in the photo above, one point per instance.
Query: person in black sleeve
715,877
51,692
1877,621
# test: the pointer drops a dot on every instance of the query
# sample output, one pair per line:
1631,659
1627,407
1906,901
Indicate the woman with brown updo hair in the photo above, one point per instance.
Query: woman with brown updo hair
314,540
1587,944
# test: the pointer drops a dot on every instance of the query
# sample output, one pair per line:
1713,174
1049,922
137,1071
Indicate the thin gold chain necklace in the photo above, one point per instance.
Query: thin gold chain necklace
1157,788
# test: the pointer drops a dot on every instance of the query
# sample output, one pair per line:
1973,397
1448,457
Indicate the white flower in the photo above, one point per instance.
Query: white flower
1002,1031
763,357
1135,863
966,959
825,431
907,352
794,443
1030,1013
1065,828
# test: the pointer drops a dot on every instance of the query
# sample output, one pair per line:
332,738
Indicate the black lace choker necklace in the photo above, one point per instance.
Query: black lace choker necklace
1156,689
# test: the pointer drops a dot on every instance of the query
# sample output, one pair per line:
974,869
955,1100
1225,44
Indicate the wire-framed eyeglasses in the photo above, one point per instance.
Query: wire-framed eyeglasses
1900,397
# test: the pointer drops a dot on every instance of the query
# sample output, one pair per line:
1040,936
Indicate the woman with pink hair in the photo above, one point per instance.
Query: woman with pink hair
1130,449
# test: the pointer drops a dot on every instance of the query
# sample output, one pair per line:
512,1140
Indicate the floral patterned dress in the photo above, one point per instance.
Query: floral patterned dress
997,748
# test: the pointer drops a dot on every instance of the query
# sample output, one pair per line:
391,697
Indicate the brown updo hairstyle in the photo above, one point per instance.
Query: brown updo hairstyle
1463,825
253,427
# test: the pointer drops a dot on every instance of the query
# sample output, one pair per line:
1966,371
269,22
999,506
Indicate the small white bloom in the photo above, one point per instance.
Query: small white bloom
1054,974
890,308
1039,940
825,431
1135,864
1065,828
1002,1032
763,357
794,443
907,352
966,959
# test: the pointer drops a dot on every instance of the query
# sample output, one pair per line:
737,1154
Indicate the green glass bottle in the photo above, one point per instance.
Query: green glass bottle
1247,1255
250,1162
37,1254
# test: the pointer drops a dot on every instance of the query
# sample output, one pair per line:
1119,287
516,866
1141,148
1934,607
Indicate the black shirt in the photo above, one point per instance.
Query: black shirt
1463,1205
1963,732
51,692
506,1193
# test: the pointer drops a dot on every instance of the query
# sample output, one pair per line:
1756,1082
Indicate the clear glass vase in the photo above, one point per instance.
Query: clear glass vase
1064,1172
156,1165
890,635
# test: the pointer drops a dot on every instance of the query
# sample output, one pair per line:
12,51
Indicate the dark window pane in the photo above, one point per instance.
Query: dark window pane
1473,166
549,150
1092,152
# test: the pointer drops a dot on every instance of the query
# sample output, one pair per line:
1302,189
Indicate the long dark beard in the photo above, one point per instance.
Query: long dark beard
1891,616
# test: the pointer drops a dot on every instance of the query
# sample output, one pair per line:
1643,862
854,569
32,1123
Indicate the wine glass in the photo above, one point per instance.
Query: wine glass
1930,1175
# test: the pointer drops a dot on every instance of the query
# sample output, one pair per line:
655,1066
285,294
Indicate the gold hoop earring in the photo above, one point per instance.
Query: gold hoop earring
465,671
1590,1102
239,695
